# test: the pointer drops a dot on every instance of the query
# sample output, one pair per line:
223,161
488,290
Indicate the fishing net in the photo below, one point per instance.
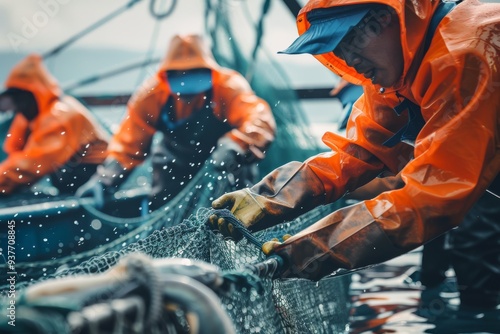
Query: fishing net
264,306
242,49
60,239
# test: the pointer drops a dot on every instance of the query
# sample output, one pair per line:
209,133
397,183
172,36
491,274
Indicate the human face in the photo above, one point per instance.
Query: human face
373,48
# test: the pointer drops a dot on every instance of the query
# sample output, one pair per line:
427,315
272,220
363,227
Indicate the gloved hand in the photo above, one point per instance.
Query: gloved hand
269,246
104,183
228,156
93,188
282,195
243,205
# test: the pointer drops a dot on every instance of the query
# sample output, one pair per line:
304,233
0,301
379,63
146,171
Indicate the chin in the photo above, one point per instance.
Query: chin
386,82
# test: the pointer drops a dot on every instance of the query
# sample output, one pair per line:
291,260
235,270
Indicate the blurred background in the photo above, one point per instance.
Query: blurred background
137,31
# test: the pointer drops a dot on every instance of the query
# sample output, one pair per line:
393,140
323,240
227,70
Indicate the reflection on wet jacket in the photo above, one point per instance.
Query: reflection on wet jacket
456,84
191,130
63,133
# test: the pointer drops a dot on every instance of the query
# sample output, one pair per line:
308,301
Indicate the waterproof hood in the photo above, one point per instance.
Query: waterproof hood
188,52
30,74
413,13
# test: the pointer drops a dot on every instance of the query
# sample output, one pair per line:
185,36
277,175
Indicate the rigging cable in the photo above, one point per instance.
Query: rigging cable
221,20
163,15
147,61
208,10
82,33
240,63
258,40
111,73
154,35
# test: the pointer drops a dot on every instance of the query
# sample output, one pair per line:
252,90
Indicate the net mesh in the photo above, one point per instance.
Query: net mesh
282,306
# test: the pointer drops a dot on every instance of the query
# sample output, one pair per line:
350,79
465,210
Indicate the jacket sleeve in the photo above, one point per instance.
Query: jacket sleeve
360,156
132,141
295,187
17,135
52,142
456,158
250,116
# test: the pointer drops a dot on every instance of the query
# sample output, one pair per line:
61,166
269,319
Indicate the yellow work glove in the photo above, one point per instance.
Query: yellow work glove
269,246
243,205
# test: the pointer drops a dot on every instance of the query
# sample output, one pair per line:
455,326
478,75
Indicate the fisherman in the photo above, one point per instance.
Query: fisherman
202,111
429,111
51,133
465,249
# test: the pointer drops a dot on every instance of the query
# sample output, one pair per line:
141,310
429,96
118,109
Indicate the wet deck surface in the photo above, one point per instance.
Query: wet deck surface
388,299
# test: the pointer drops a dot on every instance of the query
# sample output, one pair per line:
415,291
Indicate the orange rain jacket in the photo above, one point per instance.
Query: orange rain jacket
63,131
241,116
456,83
